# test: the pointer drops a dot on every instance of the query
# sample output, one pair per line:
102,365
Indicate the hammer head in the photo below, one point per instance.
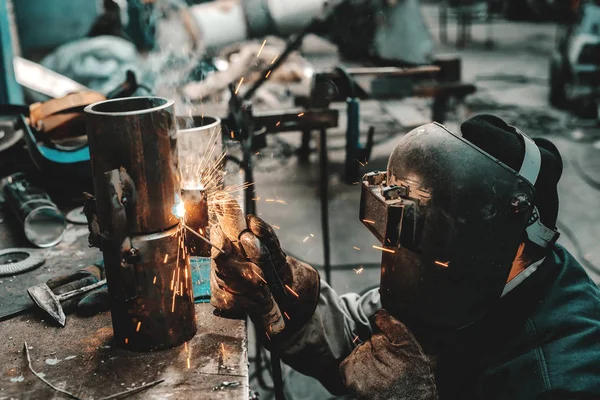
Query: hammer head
47,301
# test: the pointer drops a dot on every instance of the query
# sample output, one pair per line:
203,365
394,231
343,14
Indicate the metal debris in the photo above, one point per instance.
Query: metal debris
227,385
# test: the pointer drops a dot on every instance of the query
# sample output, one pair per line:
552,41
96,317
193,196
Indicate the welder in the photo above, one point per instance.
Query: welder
477,301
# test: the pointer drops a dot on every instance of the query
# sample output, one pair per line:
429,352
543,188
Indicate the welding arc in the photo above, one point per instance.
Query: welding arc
203,238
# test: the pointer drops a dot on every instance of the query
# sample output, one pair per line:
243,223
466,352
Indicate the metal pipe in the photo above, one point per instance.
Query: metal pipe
134,167
43,223
200,149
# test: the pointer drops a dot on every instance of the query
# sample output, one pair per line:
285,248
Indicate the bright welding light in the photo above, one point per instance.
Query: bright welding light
179,210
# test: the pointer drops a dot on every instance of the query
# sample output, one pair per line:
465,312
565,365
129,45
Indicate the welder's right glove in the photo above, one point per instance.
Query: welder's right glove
89,303
238,284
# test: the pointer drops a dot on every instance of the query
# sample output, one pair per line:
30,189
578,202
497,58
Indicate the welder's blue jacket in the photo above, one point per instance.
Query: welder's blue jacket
541,341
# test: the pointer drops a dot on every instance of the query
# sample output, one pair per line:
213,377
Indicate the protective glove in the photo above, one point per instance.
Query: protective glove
89,303
390,365
238,283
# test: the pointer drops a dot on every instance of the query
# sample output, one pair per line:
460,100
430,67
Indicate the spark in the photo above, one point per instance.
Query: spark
361,163
238,86
261,48
126,340
311,235
261,278
268,337
356,248
154,280
188,363
305,239
278,123
355,183
368,221
301,114
274,59
292,291
186,273
166,258
185,346
286,314
276,227
384,249
232,134
270,200
257,153
139,324
443,264
268,73
358,271
280,201
355,339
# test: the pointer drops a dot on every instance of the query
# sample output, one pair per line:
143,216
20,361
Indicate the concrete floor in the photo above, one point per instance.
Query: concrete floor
512,83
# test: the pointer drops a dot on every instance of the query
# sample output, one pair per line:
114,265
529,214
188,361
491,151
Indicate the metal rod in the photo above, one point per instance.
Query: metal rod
324,183
203,238
85,289
392,71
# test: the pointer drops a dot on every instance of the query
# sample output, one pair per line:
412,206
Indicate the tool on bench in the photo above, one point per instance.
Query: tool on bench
45,299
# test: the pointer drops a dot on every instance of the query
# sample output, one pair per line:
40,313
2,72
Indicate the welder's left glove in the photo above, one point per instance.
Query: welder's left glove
238,283
390,365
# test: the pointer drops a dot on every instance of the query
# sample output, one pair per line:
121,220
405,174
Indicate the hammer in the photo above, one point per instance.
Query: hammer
45,299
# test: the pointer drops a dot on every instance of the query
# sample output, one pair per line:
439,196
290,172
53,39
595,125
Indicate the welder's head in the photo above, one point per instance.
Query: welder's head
451,212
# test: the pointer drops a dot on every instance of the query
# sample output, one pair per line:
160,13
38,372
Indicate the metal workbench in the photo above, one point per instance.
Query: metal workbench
82,358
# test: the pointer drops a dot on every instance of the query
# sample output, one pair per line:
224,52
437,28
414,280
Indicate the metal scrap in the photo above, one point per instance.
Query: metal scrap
227,385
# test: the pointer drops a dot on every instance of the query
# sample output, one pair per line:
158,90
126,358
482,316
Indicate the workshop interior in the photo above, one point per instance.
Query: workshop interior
130,128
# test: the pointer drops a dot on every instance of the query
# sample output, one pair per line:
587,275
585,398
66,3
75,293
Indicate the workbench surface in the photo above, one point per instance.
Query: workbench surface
82,359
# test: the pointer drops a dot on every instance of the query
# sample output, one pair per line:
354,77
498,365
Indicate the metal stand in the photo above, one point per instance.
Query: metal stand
324,194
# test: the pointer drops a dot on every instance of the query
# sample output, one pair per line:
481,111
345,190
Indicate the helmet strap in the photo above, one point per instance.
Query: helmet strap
537,232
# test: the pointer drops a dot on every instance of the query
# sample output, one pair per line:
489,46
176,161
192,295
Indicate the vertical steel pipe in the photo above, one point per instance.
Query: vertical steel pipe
200,149
133,151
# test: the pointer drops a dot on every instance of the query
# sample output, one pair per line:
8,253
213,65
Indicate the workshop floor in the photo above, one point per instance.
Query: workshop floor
512,83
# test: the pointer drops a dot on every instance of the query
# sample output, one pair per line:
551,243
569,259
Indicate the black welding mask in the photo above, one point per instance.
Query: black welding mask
450,219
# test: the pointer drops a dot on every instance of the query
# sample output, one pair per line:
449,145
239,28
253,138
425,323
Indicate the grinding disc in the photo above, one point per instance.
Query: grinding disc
76,216
15,261
9,137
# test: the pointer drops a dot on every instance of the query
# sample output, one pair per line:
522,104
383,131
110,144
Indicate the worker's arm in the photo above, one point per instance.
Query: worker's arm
337,326
313,329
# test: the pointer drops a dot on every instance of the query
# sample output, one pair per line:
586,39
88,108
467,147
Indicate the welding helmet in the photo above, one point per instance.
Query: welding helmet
450,218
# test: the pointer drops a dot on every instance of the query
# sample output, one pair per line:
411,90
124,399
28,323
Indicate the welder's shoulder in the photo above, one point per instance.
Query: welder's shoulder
566,332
